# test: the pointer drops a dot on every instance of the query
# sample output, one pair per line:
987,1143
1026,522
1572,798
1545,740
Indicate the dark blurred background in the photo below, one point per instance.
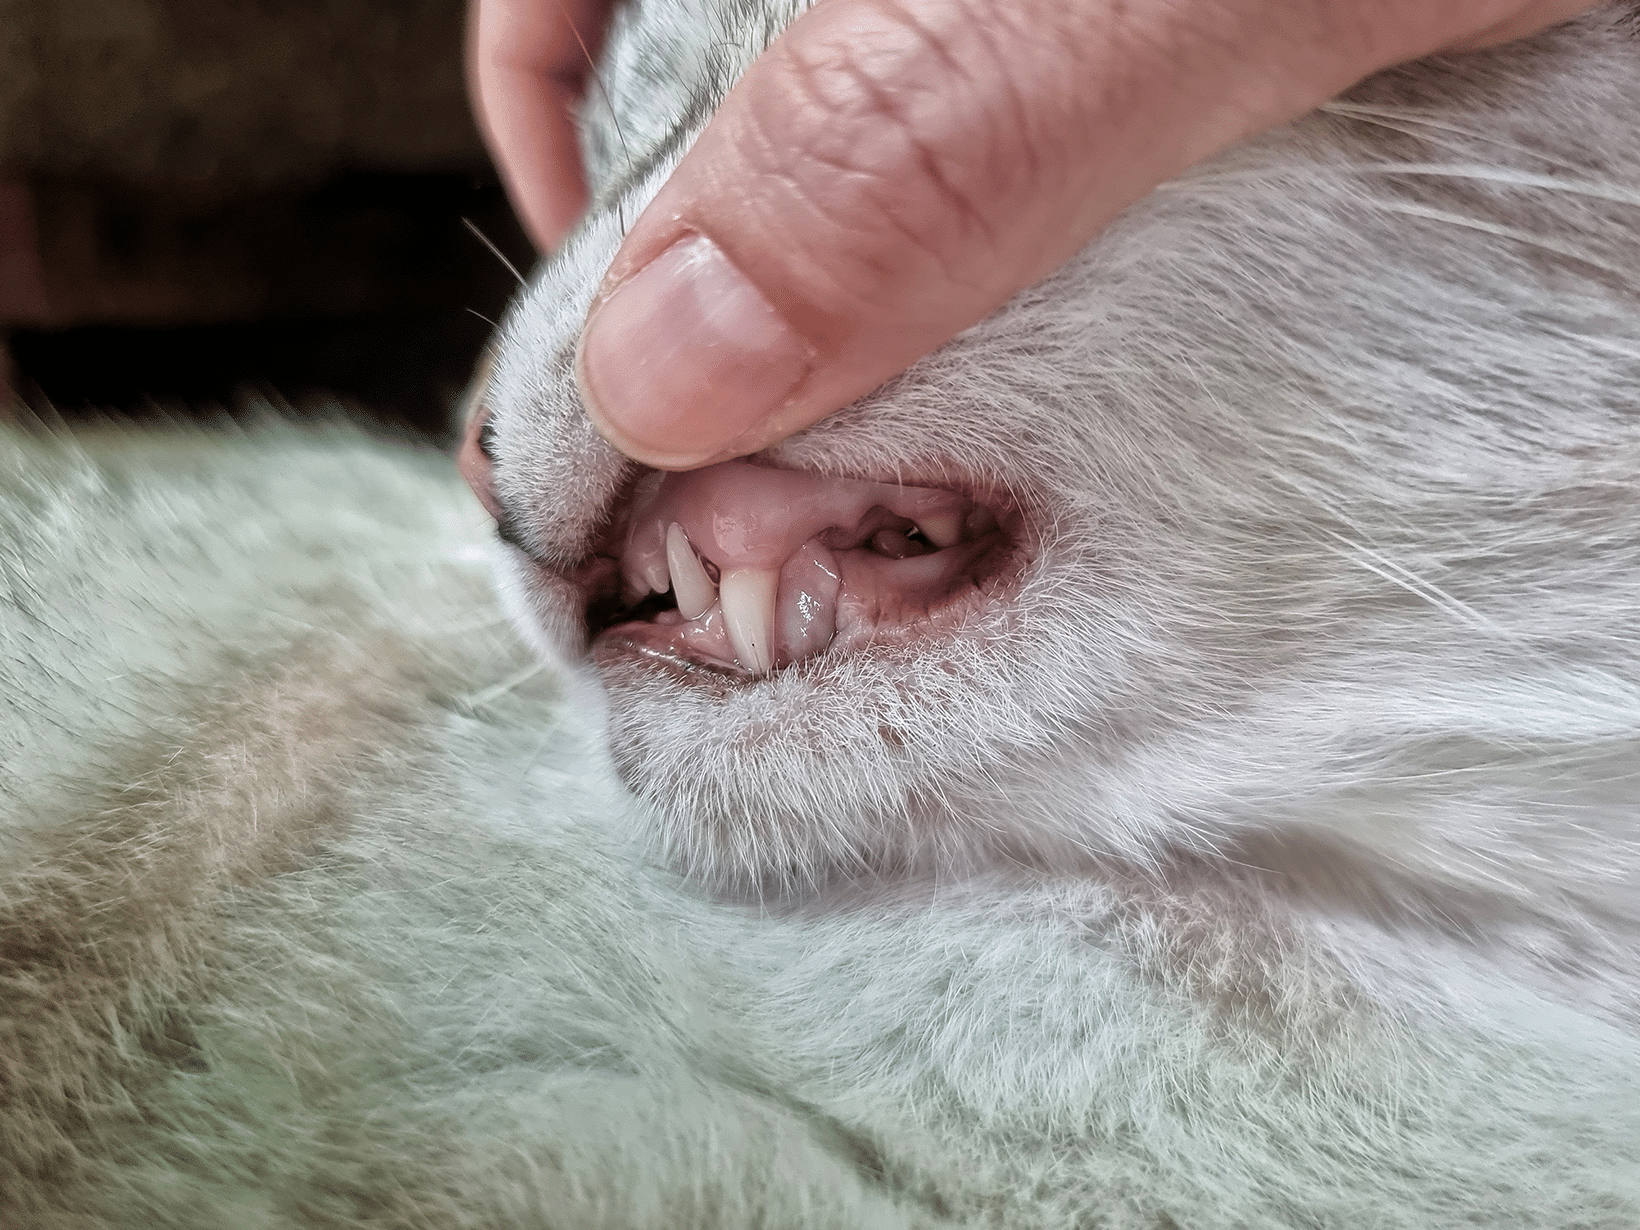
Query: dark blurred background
205,203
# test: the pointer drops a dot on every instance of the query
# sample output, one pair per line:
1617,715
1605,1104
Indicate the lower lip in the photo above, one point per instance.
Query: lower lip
636,642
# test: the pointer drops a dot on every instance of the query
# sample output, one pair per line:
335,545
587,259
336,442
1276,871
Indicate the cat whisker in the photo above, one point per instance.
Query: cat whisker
494,251
1506,176
1419,586
1430,214
489,695
1417,124
615,120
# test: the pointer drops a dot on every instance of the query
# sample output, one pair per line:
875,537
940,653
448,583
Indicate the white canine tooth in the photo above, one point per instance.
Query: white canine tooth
747,596
941,529
690,584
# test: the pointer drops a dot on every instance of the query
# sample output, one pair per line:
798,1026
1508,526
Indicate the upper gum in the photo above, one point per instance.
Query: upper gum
874,596
740,515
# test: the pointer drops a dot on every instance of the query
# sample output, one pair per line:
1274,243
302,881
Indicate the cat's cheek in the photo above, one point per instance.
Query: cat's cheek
547,610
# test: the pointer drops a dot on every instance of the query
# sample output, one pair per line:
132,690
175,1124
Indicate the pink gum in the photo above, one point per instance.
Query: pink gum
740,515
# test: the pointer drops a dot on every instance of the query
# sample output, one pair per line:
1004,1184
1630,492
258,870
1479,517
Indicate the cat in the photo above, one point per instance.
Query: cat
1168,759
1298,597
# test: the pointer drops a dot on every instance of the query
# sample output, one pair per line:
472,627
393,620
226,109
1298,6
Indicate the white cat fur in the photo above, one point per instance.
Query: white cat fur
1270,861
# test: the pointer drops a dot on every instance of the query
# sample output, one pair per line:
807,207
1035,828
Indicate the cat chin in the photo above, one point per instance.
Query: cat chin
841,765
901,760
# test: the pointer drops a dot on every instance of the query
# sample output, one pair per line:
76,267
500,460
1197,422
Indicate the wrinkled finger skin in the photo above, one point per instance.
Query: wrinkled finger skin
892,171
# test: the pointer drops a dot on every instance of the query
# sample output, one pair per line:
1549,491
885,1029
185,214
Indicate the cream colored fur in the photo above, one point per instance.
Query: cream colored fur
1271,860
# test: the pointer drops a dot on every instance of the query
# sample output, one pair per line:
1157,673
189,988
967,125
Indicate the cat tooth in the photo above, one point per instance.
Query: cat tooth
747,596
690,584
643,562
634,581
980,522
805,611
941,529
655,575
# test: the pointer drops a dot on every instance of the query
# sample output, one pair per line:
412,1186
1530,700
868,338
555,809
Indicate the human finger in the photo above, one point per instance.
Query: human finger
892,171
528,64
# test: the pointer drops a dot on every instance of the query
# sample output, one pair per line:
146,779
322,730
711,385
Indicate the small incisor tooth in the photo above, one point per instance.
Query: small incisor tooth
942,529
655,577
690,584
747,596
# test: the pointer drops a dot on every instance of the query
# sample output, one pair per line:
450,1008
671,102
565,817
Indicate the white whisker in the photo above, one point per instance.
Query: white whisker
1431,214
490,694
1418,124
494,251
1505,175
1402,577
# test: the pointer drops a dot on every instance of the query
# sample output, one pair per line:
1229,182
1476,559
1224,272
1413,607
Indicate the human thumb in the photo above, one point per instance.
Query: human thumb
892,171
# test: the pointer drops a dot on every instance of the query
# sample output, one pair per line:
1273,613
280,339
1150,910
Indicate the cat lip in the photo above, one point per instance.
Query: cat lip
741,569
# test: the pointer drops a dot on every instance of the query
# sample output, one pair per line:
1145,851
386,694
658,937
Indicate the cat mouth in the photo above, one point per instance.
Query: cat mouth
744,569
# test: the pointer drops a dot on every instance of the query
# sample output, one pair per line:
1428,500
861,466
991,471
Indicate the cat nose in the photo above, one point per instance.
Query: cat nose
473,460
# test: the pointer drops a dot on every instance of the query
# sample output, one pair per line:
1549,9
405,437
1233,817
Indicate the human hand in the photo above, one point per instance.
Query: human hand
890,172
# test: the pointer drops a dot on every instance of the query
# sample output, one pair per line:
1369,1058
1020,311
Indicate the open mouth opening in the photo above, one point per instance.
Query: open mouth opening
747,569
